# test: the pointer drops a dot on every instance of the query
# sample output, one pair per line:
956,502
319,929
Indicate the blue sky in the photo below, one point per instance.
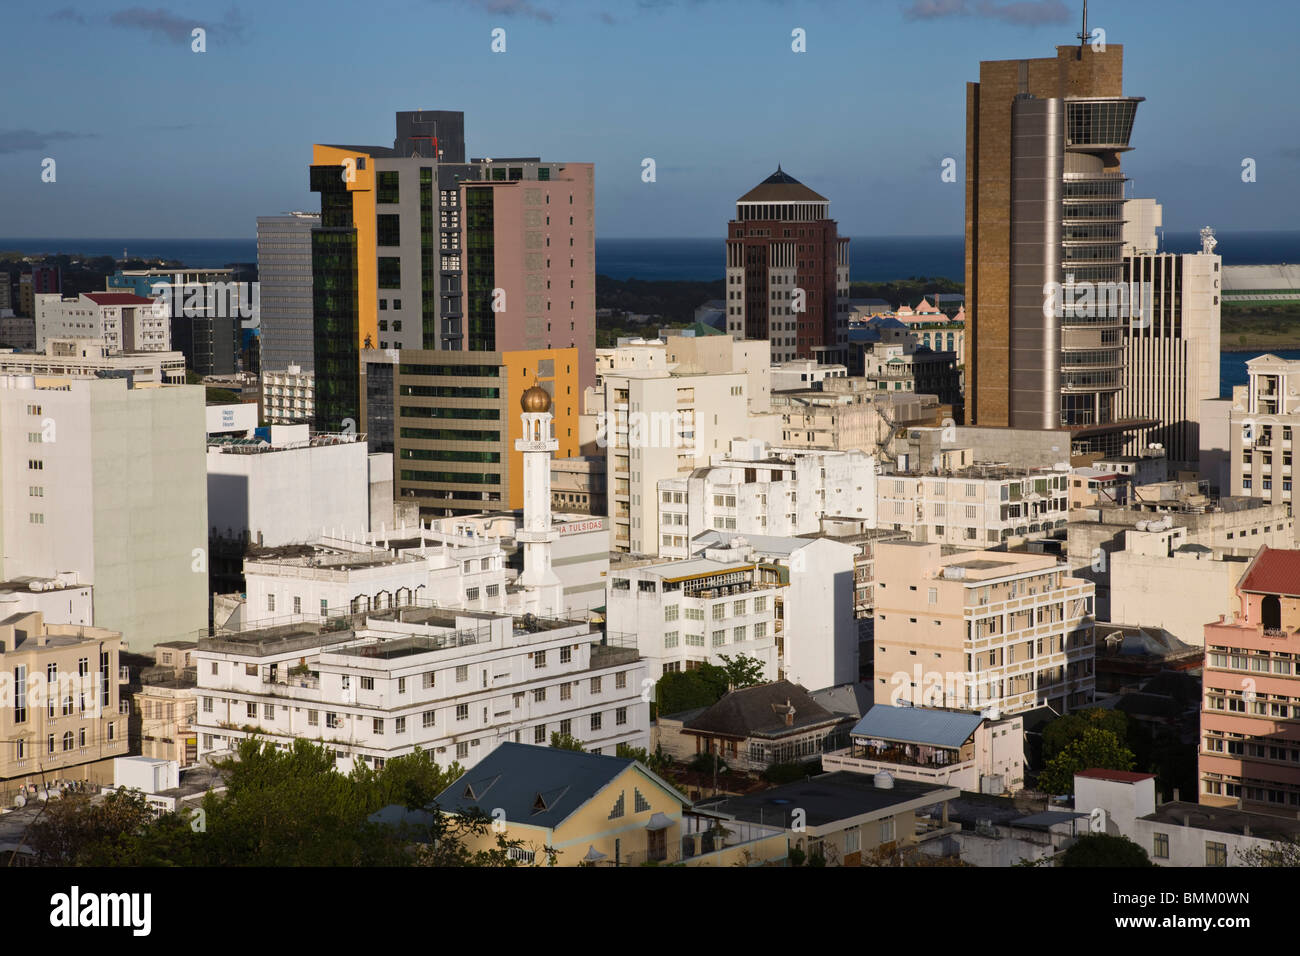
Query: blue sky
154,140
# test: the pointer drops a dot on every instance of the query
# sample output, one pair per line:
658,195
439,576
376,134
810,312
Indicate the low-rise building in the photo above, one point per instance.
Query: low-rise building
67,358
756,489
61,721
126,322
1179,833
755,727
1263,426
578,485
981,630
453,683
951,748
848,819
582,809
974,507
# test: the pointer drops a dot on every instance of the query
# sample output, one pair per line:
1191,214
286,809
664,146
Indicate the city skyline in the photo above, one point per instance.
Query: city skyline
879,160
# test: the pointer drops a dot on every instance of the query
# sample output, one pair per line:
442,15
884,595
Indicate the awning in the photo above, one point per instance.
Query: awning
659,822
593,855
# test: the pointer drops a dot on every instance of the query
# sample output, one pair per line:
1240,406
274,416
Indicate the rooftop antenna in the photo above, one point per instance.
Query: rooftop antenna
1083,37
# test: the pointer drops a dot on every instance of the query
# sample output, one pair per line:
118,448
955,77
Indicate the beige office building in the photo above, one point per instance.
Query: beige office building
60,721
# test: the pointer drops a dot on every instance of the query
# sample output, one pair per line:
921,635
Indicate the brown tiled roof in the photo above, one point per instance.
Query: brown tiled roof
1274,571
781,187
1119,776
760,711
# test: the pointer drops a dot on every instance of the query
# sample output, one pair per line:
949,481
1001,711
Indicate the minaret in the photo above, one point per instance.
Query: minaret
545,593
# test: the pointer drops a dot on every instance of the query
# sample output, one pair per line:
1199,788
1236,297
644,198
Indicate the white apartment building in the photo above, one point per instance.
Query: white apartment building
803,373
819,642
722,353
87,358
288,396
126,322
453,683
975,507
682,614
756,489
107,483
992,630
332,576
1263,426
289,491
658,425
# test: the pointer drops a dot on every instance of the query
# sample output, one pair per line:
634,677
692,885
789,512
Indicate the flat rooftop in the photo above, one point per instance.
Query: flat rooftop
828,798
1227,820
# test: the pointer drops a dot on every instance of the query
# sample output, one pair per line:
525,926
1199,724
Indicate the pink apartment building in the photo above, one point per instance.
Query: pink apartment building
1250,718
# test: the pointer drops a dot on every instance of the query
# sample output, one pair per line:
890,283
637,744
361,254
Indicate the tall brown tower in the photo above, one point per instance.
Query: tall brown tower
788,271
1044,202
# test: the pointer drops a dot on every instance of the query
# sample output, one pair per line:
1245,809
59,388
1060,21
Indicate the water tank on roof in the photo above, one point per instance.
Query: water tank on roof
883,780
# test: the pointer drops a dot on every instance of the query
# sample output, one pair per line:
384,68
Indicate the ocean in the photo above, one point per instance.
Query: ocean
871,258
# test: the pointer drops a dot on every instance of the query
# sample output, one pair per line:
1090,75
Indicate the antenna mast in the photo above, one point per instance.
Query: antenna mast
1083,36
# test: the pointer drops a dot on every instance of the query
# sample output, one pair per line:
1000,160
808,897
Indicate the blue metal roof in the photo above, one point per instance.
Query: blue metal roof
917,725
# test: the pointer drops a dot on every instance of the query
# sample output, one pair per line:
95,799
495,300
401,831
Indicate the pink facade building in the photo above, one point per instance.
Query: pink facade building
1250,718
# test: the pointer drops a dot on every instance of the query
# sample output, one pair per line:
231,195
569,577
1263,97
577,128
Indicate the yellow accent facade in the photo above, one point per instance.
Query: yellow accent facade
362,187
521,371
592,826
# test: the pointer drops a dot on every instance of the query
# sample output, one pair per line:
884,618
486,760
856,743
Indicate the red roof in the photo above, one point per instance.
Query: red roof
117,298
1118,776
1274,571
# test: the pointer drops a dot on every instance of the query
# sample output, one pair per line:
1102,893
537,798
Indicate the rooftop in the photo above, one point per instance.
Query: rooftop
1227,820
761,712
918,725
1274,571
829,798
781,187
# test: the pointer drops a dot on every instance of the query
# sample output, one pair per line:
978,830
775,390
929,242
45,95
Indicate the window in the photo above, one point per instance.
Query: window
367,683
207,705
760,605
539,659
671,612
595,722
539,734
428,718
1160,846
1216,854
719,638
428,679
332,721
471,594
377,725
595,685
270,602
719,611
887,831
462,711
620,680
250,709
462,673
620,716
313,718
566,655
67,741
539,695
566,691
462,750
401,685
297,605
268,711
852,841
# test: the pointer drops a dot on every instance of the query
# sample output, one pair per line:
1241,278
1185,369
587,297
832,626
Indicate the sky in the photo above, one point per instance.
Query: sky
151,139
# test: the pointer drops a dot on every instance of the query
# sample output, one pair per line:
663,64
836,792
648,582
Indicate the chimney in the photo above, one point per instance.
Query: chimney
789,714
1245,828
1187,819
1175,794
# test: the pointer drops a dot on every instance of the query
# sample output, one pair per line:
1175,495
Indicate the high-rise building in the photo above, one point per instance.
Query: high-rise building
1044,217
1171,342
284,277
108,482
206,309
419,249
451,420
788,271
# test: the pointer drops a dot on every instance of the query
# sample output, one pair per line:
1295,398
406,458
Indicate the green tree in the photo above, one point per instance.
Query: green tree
656,761
566,742
688,690
1096,748
76,830
1102,849
742,671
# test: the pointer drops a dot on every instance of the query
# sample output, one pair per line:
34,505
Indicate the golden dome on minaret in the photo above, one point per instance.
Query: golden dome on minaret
535,400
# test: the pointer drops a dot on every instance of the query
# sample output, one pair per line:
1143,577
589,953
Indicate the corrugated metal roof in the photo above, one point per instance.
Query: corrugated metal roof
917,725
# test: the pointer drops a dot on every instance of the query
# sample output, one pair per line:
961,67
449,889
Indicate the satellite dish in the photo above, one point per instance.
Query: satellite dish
20,801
